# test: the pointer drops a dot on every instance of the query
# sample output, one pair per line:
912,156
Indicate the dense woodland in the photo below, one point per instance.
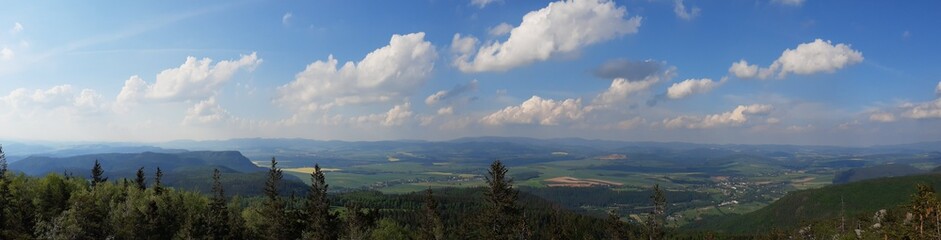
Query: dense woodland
66,206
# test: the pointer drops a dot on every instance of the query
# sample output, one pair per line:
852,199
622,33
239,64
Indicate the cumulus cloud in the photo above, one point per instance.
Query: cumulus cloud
6,54
500,30
61,96
193,80
397,116
539,111
736,117
17,28
390,72
205,112
483,3
692,86
814,57
742,69
286,18
882,117
627,69
448,94
446,110
680,10
789,2
621,89
937,90
926,110
631,123
561,27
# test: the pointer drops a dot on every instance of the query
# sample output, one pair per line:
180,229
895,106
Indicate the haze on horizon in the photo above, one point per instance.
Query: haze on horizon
768,71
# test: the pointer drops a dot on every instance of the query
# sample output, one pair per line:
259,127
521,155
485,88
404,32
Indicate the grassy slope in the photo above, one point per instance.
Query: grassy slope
861,199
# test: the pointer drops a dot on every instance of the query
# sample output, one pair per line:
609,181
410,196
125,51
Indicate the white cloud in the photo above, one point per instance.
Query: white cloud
397,116
772,120
622,89
818,56
500,29
561,27
789,2
680,10
937,90
882,117
742,69
446,110
448,94
88,99
286,19
61,96
389,72
463,45
736,117
538,110
194,79
205,112
482,3
631,123
692,86
925,110
6,54
17,28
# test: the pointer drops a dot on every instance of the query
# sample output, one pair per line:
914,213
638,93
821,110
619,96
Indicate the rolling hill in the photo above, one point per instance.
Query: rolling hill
874,172
861,198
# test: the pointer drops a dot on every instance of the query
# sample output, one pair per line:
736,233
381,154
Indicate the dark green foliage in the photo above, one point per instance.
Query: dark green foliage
321,224
97,174
158,188
617,229
602,197
360,221
274,209
432,228
654,223
873,172
861,199
140,179
218,220
3,164
503,217
4,192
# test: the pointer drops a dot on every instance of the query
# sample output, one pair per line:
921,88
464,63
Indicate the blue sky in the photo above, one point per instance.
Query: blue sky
756,71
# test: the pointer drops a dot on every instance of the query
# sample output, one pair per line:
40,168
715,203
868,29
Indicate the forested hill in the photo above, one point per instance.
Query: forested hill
857,200
126,164
874,172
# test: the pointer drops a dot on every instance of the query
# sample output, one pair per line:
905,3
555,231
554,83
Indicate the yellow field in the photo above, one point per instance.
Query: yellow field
309,170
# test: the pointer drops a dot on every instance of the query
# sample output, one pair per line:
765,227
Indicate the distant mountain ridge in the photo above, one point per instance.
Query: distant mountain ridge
123,163
874,172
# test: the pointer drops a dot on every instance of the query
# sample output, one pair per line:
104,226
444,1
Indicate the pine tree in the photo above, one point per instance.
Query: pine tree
274,208
502,215
320,222
158,188
360,222
655,225
3,164
615,226
432,227
97,174
141,180
4,194
218,213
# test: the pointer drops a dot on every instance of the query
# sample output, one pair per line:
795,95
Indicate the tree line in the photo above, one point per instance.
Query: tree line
65,206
